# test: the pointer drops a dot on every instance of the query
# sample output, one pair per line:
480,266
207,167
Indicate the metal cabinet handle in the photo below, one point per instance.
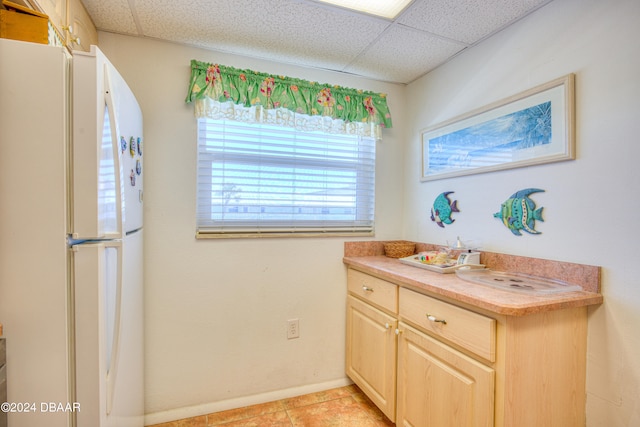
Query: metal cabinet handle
435,319
366,288
398,331
387,325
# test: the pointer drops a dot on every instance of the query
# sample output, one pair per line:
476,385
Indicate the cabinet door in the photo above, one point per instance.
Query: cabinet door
56,10
439,386
84,33
371,353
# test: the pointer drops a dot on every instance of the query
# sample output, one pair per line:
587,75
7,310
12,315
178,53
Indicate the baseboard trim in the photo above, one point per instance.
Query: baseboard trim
239,402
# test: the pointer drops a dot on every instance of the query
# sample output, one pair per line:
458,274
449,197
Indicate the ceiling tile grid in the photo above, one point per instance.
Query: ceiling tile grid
403,54
308,33
113,15
466,20
285,31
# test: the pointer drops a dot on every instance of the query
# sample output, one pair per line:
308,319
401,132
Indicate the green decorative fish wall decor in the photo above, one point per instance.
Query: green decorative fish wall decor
519,212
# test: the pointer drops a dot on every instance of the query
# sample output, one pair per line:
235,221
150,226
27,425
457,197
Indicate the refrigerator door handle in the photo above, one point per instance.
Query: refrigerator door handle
112,368
117,163
97,285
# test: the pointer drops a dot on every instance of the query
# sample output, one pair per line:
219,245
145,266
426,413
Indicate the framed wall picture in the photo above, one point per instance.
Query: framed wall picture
533,127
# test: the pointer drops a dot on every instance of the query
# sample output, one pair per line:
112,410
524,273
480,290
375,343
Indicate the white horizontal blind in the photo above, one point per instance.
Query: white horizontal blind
263,179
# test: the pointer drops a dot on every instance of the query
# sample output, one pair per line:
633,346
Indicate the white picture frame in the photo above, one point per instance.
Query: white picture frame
533,127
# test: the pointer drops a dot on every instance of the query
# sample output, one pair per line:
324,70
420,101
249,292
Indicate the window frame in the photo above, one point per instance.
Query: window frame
363,167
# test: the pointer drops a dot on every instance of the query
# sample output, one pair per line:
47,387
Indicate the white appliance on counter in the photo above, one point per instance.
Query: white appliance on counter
71,284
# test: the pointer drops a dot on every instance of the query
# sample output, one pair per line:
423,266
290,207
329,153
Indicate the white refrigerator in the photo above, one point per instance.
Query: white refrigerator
71,247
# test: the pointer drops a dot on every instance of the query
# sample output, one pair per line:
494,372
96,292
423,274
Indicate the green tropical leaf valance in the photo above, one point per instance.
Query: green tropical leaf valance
222,91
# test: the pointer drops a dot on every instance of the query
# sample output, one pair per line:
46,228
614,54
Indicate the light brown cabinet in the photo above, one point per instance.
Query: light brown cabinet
371,350
371,353
439,386
81,32
72,22
56,10
448,363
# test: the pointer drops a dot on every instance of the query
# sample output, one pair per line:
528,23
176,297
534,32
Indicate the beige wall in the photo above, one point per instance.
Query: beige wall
590,204
216,310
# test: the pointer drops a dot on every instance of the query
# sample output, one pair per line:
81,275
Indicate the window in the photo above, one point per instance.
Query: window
264,180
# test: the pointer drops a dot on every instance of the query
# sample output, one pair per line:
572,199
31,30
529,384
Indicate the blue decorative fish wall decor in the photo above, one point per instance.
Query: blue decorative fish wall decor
519,212
443,208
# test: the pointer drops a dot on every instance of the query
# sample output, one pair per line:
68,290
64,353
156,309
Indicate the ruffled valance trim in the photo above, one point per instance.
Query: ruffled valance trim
282,117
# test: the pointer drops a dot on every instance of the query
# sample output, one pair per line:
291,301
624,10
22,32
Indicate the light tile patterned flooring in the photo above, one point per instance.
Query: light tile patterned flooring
338,407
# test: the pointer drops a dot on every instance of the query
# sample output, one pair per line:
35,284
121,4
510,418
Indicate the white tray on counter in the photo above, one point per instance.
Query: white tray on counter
414,260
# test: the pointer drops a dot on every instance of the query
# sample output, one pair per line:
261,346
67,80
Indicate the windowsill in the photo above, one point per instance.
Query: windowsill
280,234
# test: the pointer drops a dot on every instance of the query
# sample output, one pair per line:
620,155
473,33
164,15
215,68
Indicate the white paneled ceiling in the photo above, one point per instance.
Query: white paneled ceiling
314,34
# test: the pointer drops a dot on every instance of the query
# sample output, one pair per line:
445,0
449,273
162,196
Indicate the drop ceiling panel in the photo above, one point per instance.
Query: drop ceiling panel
290,32
315,34
112,15
403,54
466,20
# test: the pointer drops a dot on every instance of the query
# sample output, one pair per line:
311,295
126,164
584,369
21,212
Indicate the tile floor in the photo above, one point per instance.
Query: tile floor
338,407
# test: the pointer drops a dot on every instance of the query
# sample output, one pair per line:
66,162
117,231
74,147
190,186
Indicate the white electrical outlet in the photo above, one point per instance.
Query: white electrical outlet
293,328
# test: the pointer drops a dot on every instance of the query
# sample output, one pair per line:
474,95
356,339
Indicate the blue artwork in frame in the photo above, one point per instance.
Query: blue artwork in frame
530,128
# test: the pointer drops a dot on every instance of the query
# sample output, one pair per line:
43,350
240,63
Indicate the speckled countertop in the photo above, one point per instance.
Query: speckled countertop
368,257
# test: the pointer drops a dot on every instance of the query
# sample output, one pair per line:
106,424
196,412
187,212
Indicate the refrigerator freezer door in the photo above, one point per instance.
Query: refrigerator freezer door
107,151
95,171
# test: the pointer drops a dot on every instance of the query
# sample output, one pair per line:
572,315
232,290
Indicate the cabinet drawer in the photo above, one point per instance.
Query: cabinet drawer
469,330
373,290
